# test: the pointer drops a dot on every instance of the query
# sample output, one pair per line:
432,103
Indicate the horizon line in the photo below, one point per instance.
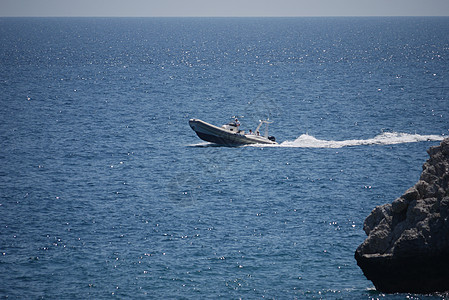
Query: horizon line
262,16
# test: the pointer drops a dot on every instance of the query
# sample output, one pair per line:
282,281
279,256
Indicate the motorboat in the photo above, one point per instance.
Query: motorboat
230,134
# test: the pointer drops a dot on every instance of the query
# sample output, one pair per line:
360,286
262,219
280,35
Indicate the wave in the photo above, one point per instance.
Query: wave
203,144
385,138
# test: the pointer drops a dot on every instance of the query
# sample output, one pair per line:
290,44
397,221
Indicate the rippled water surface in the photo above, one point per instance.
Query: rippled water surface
106,191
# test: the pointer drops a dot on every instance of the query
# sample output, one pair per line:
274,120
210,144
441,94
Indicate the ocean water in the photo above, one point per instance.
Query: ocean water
106,191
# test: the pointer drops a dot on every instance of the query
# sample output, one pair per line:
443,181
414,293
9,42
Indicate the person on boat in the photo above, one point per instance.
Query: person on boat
250,132
237,123
257,133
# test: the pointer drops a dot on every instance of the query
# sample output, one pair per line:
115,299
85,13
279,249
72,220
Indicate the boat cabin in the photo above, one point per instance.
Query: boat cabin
233,127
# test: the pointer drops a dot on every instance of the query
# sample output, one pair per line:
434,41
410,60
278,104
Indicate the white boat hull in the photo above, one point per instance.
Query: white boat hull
222,136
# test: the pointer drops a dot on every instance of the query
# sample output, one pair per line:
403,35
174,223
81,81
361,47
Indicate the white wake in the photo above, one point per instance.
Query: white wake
385,138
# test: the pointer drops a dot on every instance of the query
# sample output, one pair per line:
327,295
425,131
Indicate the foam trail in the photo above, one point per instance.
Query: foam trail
201,144
385,138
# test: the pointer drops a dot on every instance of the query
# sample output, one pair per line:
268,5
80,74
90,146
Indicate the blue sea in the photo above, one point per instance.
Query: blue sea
106,192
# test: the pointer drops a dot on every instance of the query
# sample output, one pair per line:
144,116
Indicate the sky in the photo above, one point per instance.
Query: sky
221,8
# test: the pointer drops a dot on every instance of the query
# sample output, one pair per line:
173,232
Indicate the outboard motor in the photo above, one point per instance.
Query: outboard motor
272,138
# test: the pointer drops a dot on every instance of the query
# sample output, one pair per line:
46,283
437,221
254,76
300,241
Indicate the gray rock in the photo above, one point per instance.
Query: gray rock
407,248
378,214
399,205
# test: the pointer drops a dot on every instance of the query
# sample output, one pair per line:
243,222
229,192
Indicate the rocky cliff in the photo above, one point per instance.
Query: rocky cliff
407,249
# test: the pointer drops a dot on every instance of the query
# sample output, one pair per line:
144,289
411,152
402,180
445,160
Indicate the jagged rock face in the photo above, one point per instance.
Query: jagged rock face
407,249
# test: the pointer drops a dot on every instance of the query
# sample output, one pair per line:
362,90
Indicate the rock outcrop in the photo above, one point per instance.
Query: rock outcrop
407,249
